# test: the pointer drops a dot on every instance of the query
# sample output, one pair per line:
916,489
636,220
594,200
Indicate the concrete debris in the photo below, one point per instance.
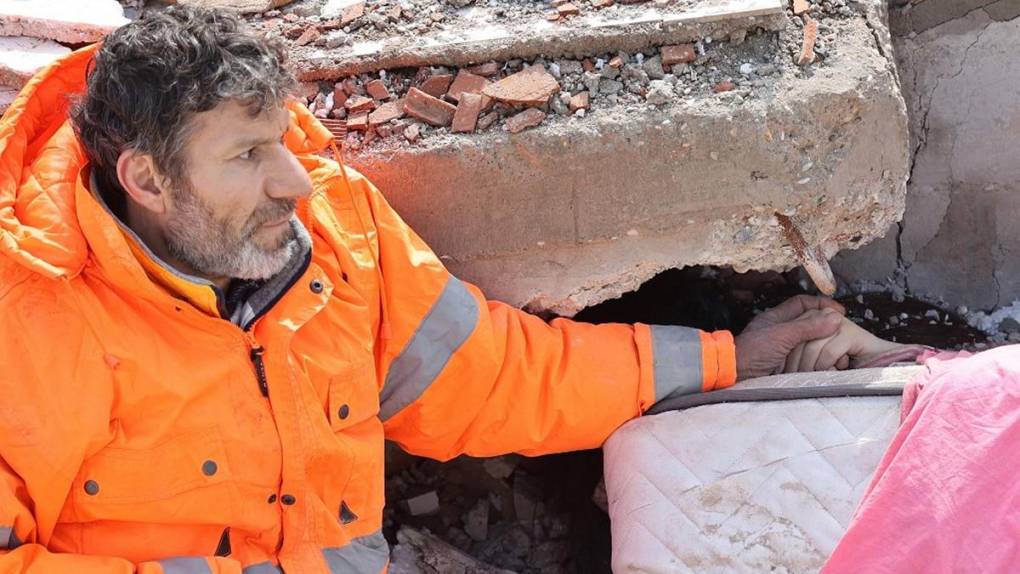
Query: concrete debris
359,104
600,497
659,92
428,109
529,118
70,21
500,467
7,96
724,86
423,504
532,86
20,57
476,521
419,552
412,133
801,6
240,6
807,51
346,10
567,9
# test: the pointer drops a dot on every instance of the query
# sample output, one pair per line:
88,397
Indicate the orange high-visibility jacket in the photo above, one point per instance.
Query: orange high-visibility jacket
134,435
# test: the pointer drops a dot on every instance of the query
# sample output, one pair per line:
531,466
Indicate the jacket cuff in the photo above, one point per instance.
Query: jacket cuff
689,361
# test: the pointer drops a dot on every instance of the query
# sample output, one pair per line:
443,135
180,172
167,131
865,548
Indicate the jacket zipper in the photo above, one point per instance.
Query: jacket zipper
256,352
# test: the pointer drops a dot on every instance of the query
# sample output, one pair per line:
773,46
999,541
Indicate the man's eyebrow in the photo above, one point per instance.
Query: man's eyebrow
253,141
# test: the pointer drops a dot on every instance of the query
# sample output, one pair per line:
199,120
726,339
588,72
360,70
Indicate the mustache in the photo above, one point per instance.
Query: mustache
273,210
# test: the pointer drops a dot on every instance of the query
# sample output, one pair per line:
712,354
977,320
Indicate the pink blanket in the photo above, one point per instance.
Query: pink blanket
946,496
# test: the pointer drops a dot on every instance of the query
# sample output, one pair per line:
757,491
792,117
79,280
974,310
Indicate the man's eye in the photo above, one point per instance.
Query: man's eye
247,154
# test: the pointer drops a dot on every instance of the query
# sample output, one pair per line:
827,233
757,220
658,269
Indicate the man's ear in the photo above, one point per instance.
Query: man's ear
141,180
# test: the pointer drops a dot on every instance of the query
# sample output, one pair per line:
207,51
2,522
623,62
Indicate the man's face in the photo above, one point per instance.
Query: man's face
232,216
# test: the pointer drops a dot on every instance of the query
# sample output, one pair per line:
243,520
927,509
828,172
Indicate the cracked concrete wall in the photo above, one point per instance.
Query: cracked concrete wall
960,236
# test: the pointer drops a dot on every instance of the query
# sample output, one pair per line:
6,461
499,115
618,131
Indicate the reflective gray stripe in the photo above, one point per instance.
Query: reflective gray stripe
676,353
8,538
262,568
365,555
443,330
185,565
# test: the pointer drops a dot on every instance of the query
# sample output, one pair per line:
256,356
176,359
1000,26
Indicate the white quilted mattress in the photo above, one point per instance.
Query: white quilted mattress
747,486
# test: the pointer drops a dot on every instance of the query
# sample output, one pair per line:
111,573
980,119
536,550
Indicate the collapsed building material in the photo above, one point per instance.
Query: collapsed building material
21,57
7,96
70,21
240,6
420,552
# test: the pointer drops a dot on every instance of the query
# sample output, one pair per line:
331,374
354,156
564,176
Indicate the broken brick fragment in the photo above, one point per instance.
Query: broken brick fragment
377,89
600,4
552,16
487,120
486,70
800,6
466,82
436,86
428,109
616,62
359,104
558,3
412,133
466,117
724,86
352,13
531,86
308,36
567,9
678,54
807,49
529,118
579,101
358,121
386,113
588,65
339,95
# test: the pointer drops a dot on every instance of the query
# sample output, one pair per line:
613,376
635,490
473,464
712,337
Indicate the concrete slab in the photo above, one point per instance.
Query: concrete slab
7,96
580,210
476,35
239,6
70,21
20,57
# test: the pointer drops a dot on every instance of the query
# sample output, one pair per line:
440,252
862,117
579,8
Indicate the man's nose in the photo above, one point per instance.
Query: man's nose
288,179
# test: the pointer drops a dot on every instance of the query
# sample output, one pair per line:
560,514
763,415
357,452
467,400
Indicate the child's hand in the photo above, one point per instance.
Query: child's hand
850,347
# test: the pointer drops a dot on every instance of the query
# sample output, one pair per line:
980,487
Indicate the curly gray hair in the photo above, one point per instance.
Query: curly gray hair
150,77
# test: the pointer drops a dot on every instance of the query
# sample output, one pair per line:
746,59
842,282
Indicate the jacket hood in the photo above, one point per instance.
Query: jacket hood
41,163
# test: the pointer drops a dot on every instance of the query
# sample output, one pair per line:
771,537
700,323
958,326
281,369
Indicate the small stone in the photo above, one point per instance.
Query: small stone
377,89
600,4
552,16
579,101
559,107
609,87
337,39
746,69
424,504
591,81
487,120
412,133
610,72
659,92
568,9
800,6
529,118
429,109
678,54
653,67
724,86
737,37
436,86
466,117
476,521
570,67
532,86
310,35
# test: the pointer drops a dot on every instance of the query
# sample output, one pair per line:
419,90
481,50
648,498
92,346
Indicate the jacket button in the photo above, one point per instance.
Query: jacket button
288,499
209,467
91,487
272,499
316,286
344,411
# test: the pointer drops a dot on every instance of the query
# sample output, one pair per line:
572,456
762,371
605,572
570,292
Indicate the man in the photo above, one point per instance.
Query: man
208,329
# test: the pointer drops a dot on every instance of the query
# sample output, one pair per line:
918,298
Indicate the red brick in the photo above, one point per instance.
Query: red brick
466,82
487,69
308,36
588,65
352,13
807,49
377,89
336,127
800,6
358,121
428,109
724,86
679,54
466,117
568,9
359,104
436,86
579,101
531,87
552,16
339,95
529,118
600,4
386,113
487,120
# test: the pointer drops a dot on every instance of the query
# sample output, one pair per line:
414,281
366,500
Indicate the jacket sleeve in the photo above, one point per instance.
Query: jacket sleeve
464,375
19,551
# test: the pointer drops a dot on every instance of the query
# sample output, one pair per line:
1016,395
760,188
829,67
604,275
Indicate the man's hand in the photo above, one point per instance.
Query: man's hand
763,347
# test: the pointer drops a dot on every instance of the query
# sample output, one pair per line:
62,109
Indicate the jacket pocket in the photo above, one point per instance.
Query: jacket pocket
185,478
353,396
